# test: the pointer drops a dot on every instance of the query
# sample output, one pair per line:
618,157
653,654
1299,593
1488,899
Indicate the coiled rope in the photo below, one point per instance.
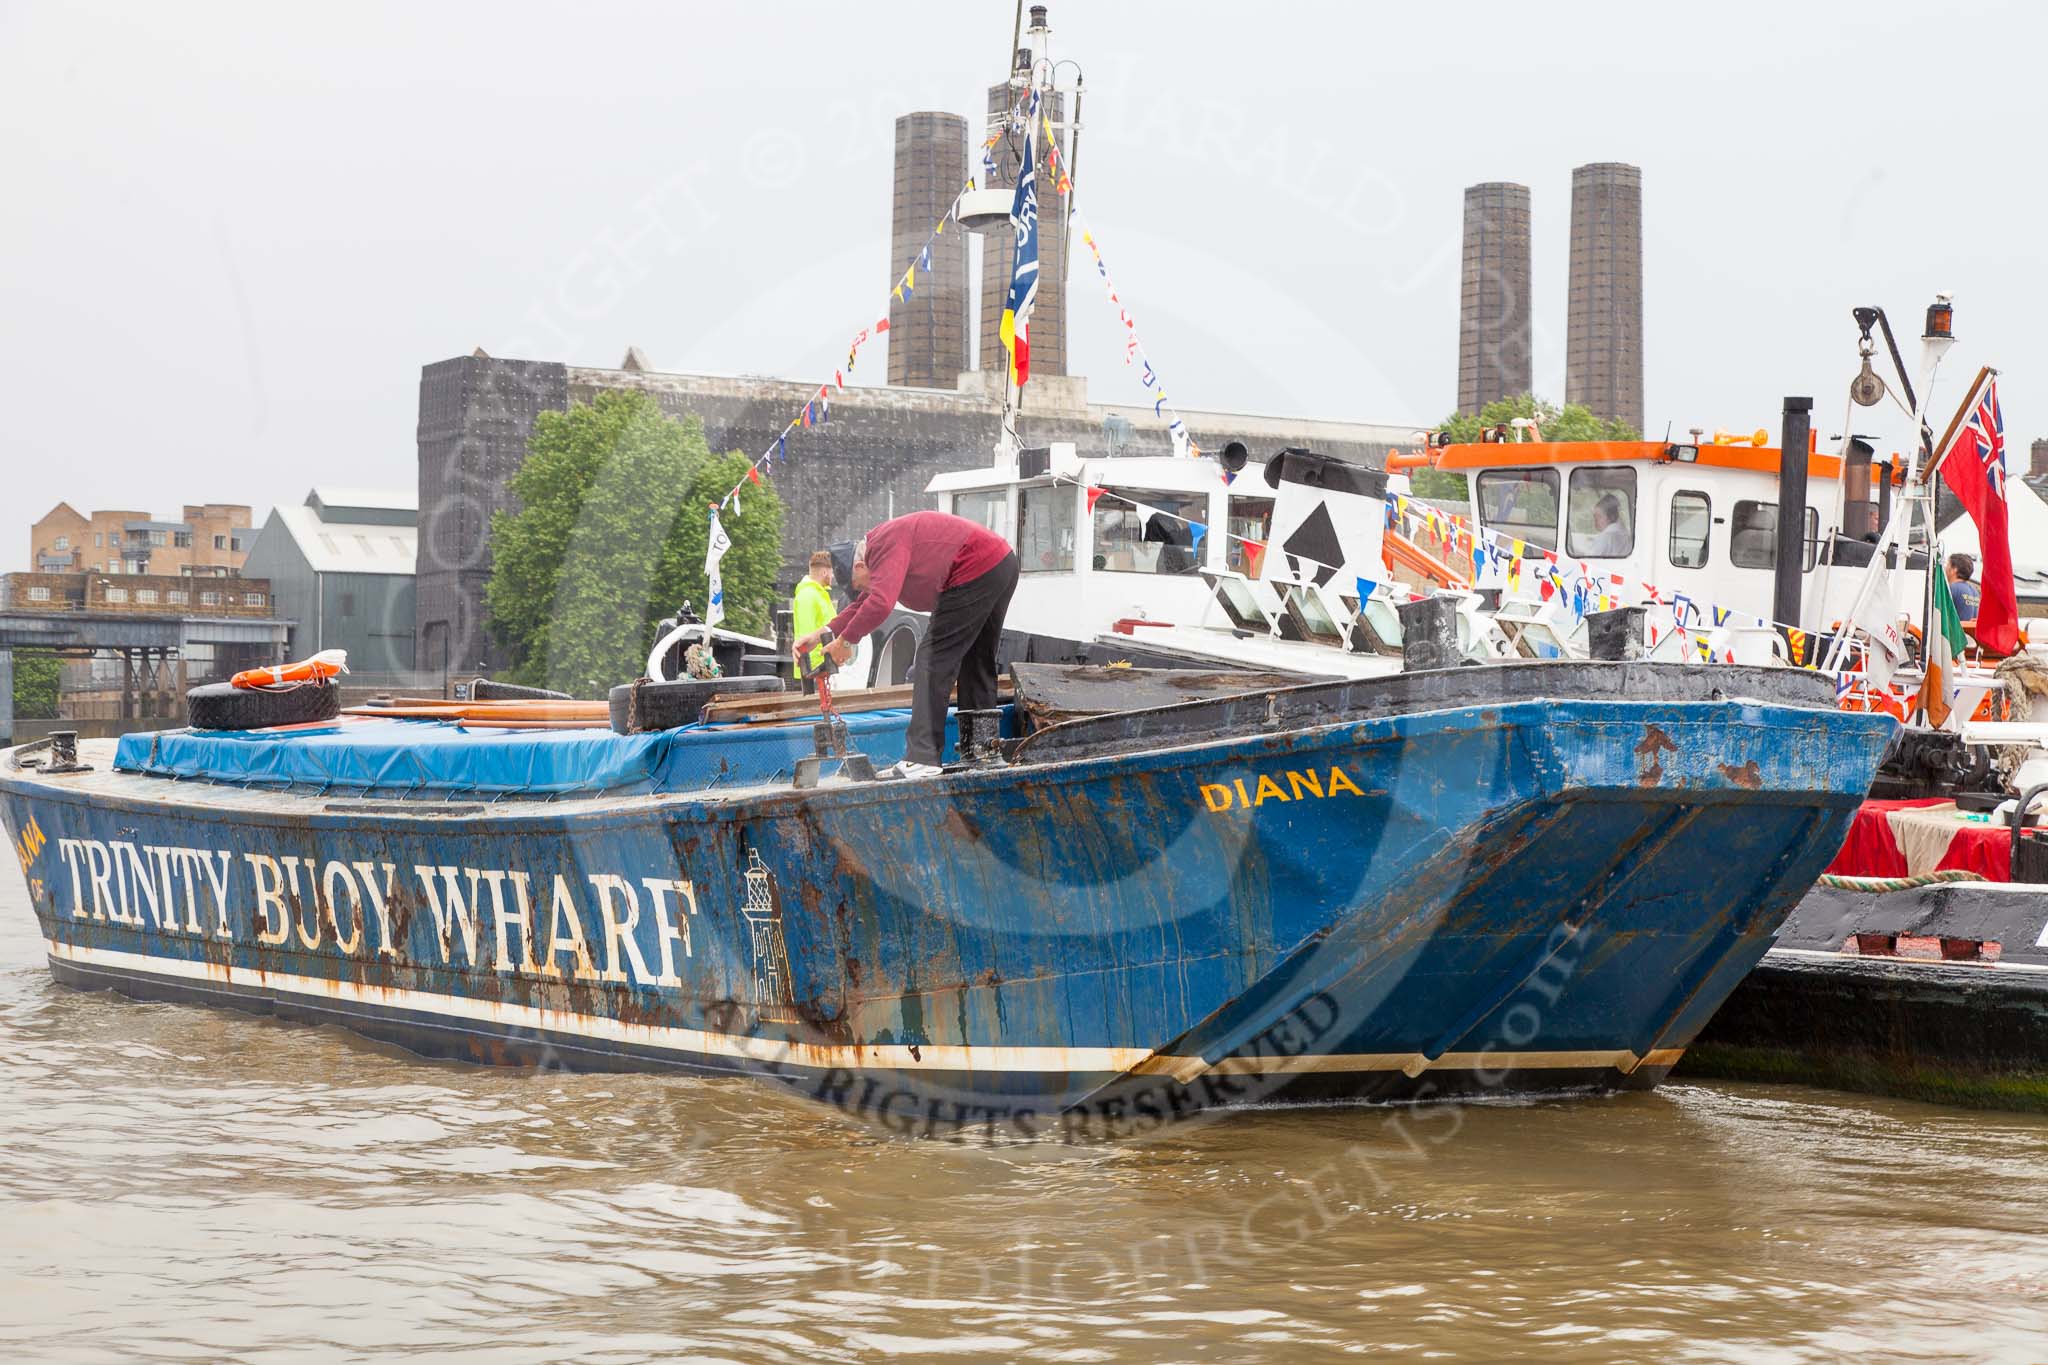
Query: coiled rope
1953,874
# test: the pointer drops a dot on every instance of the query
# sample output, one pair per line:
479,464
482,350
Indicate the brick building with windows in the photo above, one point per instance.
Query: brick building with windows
209,539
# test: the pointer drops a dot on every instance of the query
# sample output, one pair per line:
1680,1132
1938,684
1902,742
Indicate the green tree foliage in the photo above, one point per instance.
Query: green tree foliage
614,513
35,686
1572,422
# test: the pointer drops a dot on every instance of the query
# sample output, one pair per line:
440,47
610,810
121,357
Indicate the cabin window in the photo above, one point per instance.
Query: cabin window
1692,518
1753,536
38,594
1603,514
989,508
1045,530
1520,503
1153,536
117,594
146,595
1251,518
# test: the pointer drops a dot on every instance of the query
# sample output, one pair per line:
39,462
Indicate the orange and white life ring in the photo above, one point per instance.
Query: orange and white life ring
322,666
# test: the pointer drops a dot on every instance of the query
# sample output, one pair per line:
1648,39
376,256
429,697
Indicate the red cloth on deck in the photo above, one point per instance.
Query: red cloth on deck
1985,849
1871,850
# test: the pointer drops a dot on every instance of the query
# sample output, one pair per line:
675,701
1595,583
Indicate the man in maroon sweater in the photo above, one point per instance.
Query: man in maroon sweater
963,574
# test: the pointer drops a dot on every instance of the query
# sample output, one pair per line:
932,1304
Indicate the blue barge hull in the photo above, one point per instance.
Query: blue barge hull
1520,879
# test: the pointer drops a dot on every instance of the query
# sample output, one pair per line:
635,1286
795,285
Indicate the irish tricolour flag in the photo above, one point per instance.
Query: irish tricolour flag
1944,647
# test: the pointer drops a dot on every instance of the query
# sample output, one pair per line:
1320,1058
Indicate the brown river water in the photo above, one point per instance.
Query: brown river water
182,1183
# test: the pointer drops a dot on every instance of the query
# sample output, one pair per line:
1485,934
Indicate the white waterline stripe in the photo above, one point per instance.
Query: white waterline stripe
937,1056
821,1056
1414,1063
1823,954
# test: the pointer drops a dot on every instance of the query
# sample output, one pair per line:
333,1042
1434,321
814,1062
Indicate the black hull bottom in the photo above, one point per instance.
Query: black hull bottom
1963,1034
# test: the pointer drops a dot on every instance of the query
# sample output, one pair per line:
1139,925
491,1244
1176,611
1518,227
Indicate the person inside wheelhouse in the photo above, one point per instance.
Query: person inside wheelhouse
1148,531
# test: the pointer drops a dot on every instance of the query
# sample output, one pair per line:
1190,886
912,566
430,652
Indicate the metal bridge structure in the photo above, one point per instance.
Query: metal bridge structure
156,650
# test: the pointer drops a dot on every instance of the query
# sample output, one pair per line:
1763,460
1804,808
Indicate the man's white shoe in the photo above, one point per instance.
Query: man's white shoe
907,769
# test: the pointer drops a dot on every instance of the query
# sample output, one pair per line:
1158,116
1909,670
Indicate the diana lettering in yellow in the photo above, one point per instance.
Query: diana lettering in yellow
1301,785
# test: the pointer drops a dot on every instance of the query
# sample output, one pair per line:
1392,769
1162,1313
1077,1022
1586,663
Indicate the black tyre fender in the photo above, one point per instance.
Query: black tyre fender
638,707
485,689
222,706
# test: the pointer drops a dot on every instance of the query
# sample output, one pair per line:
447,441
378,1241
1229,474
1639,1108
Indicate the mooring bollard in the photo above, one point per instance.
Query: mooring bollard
1613,636
1429,634
64,753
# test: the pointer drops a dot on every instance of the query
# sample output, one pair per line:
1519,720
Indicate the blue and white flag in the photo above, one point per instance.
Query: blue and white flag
1015,328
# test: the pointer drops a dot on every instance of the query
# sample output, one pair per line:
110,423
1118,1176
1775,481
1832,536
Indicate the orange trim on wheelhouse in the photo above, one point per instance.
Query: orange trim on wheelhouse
1510,454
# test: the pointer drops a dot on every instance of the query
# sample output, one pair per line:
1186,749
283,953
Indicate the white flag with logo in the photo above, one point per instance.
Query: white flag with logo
714,550
1879,621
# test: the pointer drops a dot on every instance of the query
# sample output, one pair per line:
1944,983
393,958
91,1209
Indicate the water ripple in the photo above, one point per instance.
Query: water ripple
183,1183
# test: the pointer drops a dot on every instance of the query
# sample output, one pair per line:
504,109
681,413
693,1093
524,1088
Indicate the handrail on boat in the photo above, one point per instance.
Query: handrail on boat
1405,553
2019,825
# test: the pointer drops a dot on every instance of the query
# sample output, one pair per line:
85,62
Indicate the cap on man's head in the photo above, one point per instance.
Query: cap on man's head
843,553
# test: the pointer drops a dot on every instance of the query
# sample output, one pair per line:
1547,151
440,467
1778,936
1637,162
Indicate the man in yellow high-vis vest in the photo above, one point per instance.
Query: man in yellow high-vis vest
812,606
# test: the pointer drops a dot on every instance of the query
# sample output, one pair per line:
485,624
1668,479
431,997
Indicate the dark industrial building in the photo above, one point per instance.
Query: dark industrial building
1603,366
871,461
475,415
1494,322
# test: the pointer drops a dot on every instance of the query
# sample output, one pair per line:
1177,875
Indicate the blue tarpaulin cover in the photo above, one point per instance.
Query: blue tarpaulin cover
365,753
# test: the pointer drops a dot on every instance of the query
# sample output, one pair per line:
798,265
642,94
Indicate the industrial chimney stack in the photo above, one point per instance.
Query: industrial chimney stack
928,327
1493,296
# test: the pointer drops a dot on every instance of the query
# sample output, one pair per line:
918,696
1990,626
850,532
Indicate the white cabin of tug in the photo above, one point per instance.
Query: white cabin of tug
1075,584
1694,529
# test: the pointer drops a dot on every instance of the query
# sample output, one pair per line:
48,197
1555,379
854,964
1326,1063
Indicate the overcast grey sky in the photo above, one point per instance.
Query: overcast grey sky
234,233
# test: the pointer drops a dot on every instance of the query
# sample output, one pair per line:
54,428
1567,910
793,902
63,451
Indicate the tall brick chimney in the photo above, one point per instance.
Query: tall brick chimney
928,330
1603,364
1493,296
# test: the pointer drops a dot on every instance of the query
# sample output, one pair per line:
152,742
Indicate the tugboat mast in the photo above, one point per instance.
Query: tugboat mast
1032,72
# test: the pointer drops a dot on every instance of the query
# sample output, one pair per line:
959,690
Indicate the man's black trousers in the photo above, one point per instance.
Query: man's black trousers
967,625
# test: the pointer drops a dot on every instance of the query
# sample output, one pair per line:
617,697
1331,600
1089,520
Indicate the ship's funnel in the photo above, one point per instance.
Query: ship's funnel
1329,522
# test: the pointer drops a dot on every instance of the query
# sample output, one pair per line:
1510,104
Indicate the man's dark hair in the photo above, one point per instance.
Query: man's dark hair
1964,565
1610,507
